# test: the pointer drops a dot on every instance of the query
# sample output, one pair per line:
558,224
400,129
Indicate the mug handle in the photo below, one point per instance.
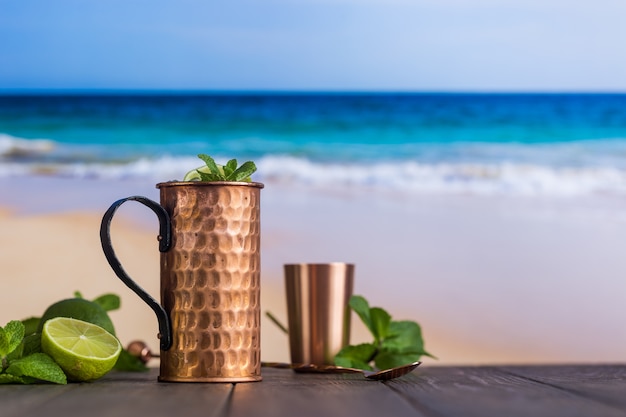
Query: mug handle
165,242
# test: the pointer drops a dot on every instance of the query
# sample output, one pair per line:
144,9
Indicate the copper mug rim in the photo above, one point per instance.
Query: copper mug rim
209,184
318,264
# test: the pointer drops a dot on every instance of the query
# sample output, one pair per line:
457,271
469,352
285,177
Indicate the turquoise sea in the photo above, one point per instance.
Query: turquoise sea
471,143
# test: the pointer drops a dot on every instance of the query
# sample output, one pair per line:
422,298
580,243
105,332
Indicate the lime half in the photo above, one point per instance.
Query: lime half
194,175
83,350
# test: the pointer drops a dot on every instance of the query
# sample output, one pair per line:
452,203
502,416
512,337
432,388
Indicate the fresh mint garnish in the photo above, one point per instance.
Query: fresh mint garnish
10,337
31,344
38,366
215,172
12,379
30,325
356,356
395,343
129,363
108,302
28,369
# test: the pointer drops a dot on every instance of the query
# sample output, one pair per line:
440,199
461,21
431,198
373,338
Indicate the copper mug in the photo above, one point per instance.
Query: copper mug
209,316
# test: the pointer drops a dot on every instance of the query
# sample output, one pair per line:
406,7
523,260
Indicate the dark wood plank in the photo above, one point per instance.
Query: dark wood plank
428,391
17,400
603,383
286,393
488,391
121,394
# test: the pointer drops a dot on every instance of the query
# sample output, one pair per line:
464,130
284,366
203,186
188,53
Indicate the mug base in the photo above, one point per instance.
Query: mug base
210,379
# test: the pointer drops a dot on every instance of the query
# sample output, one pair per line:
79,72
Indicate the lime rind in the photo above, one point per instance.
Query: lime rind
194,174
78,308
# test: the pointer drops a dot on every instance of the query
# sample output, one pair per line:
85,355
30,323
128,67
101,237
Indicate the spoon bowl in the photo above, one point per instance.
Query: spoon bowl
391,373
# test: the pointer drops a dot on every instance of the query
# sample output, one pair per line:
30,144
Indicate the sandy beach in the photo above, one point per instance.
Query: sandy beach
490,279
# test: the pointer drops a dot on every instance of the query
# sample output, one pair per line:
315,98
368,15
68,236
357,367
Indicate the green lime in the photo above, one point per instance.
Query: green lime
83,350
194,175
81,309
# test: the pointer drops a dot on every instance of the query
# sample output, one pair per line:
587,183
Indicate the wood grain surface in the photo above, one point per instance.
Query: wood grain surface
576,390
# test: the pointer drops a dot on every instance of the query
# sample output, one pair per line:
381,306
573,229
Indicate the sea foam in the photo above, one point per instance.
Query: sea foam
504,178
14,147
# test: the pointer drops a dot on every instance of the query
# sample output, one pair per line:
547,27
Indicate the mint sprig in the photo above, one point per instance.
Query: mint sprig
395,343
108,302
28,369
229,172
10,338
37,366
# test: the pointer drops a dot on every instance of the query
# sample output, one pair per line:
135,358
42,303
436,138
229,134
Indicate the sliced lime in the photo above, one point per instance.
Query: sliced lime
83,350
194,175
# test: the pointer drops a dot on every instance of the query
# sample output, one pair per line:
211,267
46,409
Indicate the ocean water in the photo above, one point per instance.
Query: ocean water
514,144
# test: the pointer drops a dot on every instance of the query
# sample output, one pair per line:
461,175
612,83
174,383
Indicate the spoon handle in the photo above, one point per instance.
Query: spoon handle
310,367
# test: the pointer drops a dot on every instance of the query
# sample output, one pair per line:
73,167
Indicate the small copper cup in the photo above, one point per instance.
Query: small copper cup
209,316
318,310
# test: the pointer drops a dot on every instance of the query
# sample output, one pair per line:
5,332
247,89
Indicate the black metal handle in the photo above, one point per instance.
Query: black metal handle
165,241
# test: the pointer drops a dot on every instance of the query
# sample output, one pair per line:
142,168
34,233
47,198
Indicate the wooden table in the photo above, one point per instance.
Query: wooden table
528,391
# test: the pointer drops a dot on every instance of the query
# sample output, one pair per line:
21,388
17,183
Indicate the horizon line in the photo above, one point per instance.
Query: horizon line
207,91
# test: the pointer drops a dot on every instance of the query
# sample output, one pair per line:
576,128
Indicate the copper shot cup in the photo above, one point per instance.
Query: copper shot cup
318,310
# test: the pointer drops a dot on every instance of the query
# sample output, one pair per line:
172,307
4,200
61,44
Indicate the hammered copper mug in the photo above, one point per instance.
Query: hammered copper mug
209,316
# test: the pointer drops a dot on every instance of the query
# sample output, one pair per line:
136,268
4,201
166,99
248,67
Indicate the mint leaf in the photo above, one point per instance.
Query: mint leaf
361,307
210,163
16,353
356,356
405,337
15,332
10,337
395,342
31,344
230,167
209,176
128,362
242,173
376,319
108,302
387,359
214,172
12,379
380,323
39,366
30,325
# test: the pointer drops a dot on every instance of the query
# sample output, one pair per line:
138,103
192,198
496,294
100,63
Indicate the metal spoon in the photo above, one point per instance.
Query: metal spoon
391,373
382,375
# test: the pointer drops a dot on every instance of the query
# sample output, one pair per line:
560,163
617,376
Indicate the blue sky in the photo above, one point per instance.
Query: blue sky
443,45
